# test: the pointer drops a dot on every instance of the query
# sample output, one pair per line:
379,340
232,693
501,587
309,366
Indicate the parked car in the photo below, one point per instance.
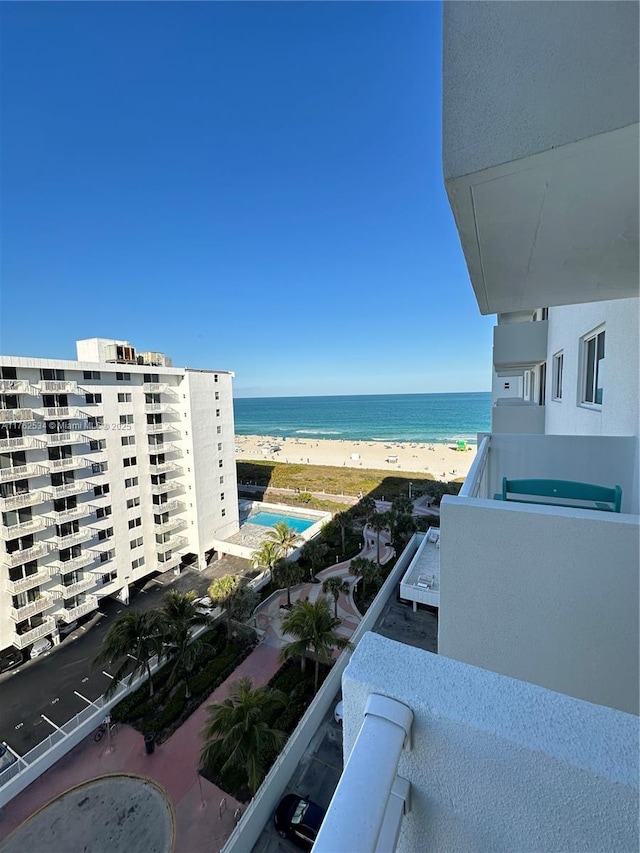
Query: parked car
204,605
298,819
10,659
40,647
66,628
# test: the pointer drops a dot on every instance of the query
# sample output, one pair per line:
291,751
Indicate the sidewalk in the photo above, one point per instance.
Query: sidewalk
201,825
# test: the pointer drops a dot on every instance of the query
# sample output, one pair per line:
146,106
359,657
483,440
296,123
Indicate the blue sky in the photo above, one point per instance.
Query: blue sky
246,186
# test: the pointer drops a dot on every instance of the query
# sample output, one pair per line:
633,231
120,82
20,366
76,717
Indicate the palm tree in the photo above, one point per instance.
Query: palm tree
365,569
378,522
314,627
180,617
334,586
365,508
134,638
237,600
267,555
237,735
401,509
315,552
285,537
345,523
287,574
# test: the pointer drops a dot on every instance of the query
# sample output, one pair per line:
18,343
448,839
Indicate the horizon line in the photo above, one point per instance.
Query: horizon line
386,394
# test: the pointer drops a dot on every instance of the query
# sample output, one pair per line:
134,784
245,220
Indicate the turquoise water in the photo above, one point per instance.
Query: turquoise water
268,519
373,417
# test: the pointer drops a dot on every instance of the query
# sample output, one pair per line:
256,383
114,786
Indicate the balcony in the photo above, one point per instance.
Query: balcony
73,565
22,585
56,386
169,506
158,388
76,588
166,488
20,472
77,538
168,526
21,641
72,613
421,582
172,563
165,467
153,429
162,408
23,499
19,614
10,416
80,511
68,463
22,442
65,437
15,386
166,448
68,489
23,528
16,558
575,564
515,415
172,543
519,345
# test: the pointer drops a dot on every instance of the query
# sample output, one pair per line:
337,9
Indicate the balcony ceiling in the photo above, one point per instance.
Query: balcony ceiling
555,228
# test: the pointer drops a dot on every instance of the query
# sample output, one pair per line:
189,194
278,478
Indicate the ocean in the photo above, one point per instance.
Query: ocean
434,418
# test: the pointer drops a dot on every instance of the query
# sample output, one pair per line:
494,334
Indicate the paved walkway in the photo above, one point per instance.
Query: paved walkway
200,824
268,617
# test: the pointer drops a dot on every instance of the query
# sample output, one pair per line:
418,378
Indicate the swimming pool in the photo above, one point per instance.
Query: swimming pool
268,519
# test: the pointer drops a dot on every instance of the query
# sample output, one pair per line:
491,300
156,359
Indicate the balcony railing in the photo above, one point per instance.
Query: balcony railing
159,428
23,499
164,467
56,386
169,506
69,614
21,641
67,489
76,538
15,386
80,511
19,614
165,488
65,437
21,442
166,447
22,528
9,416
66,566
68,463
16,558
19,472
151,408
76,588
22,585
171,563
172,543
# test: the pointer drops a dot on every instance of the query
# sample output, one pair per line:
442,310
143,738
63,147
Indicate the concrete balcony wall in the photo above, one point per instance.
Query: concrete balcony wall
540,139
519,344
545,594
496,763
517,416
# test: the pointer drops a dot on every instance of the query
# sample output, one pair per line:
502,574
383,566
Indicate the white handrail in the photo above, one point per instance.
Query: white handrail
473,481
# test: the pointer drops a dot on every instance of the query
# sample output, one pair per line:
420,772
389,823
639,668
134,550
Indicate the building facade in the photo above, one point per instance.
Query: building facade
112,467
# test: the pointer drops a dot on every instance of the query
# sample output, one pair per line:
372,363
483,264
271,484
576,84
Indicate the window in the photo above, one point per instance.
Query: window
101,490
126,440
123,377
52,374
221,480
92,399
126,419
217,413
130,481
133,502
215,377
107,555
103,511
91,374
129,461
151,377
219,430
134,522
556,379
97,444
95,422
223,512
136,564
135,543
219,463
219,445
593,368
107,533
221,496
217,395
124,397
99,467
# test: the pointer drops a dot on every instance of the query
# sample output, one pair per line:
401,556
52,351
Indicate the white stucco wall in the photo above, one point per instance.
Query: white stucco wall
498,764
619,414
544,594
552,74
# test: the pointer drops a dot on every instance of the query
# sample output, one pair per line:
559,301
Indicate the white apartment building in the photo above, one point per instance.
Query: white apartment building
521,734
112,467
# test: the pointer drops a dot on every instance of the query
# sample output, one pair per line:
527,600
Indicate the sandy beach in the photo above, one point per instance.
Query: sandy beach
441,460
